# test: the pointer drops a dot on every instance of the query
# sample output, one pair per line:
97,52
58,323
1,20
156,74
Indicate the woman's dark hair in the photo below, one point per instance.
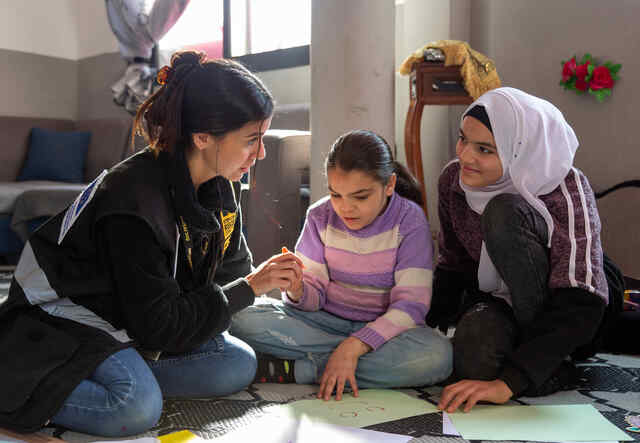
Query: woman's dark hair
200,95
368,152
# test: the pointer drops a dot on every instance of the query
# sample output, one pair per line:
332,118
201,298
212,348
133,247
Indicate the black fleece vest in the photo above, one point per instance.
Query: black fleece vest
60,261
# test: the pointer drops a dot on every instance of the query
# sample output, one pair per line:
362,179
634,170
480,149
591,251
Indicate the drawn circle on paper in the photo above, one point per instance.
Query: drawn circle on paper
348,414
375,408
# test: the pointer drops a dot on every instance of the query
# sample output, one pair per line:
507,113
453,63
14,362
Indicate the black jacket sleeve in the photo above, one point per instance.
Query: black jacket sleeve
570,321
446,300
455,271
154,310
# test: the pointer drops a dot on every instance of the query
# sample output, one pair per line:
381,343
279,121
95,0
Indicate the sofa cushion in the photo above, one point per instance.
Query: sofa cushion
37,203
15,141
10,191
56,156
10,243
291,116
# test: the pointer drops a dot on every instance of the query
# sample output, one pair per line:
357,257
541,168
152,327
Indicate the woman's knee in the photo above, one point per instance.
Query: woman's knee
119,409
240,367
484,336
246,364
140,412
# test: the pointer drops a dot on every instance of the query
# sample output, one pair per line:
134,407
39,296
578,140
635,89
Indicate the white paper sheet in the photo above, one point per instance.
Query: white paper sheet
281,430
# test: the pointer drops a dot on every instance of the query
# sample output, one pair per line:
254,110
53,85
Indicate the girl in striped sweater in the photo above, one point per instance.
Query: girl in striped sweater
356,316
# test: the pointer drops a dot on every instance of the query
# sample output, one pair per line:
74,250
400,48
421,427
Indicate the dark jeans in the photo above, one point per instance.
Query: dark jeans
515,235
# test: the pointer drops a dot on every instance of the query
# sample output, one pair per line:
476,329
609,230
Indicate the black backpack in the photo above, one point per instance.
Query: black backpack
615,281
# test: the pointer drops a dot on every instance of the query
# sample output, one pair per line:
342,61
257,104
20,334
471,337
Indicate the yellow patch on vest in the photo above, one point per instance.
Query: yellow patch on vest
228,223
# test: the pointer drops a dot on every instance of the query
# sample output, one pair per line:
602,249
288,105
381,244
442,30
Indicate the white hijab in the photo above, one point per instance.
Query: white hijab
536,147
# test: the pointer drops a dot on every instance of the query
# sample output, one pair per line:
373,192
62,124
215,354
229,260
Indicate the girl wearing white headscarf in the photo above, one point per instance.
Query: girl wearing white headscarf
520,238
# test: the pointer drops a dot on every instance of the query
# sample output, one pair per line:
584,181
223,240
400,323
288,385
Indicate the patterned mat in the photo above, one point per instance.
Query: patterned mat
5,280
611,383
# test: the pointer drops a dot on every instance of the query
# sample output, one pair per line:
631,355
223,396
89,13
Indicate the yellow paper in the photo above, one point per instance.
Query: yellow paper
180,437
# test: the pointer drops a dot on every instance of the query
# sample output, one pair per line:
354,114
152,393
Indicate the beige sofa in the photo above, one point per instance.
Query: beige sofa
274,206
26,202
278,197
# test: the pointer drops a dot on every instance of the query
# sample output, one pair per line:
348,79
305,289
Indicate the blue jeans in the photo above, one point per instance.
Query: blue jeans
124,395
417,357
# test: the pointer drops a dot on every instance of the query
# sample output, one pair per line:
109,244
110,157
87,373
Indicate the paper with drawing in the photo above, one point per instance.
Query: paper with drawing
371,407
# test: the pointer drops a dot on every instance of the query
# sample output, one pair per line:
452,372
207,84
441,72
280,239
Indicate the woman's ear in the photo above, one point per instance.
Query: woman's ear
391,185
201,140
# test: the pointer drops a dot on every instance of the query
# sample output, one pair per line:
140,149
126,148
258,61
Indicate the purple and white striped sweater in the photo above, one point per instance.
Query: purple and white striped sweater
380,274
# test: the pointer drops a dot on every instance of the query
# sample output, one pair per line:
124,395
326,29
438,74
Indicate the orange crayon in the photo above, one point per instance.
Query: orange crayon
285,250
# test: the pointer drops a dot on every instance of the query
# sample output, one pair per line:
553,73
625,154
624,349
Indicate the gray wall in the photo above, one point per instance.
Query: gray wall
59,59
95,76
33,85
528,40
289,86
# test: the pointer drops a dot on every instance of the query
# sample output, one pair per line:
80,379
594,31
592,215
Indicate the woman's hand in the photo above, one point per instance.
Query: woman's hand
341,368
473,391
280,271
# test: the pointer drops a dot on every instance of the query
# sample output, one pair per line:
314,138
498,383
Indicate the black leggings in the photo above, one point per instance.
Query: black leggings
515,235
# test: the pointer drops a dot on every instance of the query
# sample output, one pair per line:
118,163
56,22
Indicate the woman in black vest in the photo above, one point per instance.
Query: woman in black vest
125,297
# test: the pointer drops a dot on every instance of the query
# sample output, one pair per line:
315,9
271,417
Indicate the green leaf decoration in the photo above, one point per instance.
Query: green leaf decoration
601,95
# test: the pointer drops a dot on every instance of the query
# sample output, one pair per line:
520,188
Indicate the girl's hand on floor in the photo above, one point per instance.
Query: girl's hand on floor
473,391
280,271
341,368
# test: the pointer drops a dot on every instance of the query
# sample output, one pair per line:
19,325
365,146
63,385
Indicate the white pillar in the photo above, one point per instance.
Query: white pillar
421,22
352,75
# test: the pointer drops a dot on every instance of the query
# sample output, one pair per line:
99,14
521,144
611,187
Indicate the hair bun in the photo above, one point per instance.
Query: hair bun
187,58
